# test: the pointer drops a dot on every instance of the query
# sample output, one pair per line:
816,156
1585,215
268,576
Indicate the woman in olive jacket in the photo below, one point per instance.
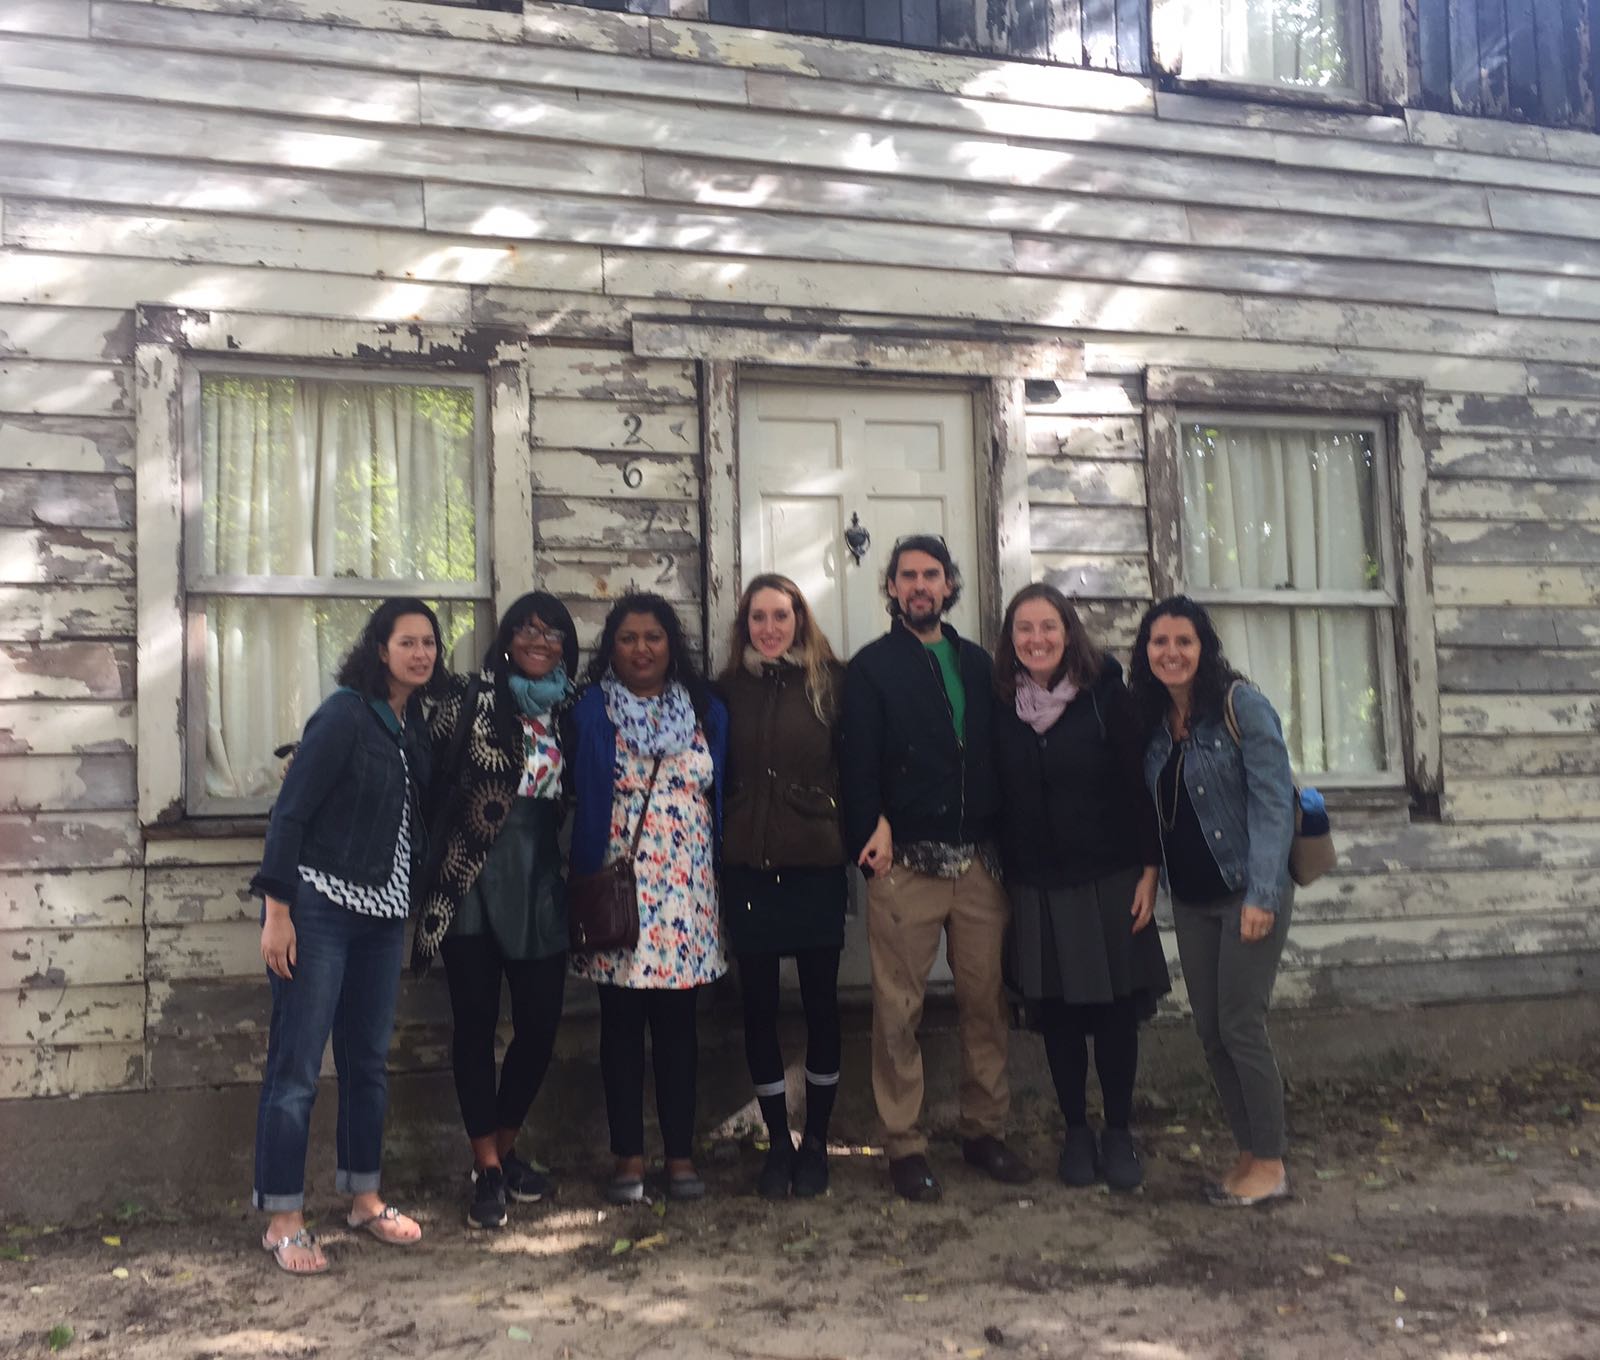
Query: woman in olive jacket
783,877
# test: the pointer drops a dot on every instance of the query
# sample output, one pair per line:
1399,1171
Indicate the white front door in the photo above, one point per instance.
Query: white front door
815,460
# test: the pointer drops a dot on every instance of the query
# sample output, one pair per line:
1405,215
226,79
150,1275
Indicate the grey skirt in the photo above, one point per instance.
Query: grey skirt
1077,945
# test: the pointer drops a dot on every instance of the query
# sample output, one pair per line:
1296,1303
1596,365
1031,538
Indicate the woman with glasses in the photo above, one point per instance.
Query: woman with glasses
494,900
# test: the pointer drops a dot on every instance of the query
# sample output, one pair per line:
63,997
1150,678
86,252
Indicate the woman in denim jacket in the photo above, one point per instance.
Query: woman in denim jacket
345,841
1226,814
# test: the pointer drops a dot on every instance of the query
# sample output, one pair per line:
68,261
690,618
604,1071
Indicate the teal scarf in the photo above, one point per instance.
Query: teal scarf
537,697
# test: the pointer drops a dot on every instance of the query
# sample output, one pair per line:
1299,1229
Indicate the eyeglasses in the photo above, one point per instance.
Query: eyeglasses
532,632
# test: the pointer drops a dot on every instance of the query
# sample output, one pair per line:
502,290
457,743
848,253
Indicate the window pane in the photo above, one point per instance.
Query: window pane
300,477
1320,669
270,662
1277,509
1269,42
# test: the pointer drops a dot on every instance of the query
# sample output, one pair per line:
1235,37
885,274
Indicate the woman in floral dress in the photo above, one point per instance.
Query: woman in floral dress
648,738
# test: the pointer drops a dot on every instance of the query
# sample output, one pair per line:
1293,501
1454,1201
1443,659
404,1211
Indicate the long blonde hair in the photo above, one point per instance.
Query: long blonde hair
810,642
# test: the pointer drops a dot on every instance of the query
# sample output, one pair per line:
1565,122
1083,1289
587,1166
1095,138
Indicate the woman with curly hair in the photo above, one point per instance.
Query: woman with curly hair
343,849
1216,764
783,879
493,903
646,749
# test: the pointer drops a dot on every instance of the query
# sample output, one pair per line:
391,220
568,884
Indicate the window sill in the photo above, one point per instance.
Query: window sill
195,828
1289,96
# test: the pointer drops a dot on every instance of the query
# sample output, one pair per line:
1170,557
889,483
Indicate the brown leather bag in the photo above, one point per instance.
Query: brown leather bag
603,907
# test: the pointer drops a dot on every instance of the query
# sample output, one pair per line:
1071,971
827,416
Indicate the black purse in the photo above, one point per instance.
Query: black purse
603,907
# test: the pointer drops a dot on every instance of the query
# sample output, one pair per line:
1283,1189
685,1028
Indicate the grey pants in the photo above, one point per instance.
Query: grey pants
1230,987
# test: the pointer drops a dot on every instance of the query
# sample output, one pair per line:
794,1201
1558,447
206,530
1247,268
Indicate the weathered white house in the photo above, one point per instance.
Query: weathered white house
303,302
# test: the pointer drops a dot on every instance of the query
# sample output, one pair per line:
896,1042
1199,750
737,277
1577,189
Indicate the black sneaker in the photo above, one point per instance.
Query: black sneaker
488,1207
773,1182
810,1177
526,1183
1080,1157
1119,1160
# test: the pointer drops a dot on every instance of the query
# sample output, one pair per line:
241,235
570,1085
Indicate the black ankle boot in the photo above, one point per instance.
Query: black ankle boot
810,1176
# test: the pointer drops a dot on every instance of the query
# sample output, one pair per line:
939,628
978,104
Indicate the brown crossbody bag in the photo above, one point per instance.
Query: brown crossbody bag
603,907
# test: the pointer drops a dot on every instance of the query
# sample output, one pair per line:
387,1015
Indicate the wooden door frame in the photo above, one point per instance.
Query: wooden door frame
994,369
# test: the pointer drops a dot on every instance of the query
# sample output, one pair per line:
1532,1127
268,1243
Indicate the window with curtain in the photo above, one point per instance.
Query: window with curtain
311,500
1285,538
1310,44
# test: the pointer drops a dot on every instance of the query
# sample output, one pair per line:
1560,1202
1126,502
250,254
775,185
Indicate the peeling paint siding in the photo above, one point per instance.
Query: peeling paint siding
598,184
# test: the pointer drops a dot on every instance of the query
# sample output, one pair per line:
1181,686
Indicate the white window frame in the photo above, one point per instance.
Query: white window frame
1408,669
1382,603
1377,60
198,588
173,349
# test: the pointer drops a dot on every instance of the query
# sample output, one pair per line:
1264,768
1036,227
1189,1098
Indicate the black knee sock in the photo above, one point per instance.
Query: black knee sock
819,1106
775,1111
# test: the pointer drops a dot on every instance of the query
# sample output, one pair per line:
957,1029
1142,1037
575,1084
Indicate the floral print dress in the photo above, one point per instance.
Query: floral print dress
680,928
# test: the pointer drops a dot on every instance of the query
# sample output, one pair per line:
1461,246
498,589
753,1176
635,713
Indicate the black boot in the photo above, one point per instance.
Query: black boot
810,1175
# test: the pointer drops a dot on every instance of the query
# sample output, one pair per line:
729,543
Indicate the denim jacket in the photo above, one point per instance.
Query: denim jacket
339,807
1243,794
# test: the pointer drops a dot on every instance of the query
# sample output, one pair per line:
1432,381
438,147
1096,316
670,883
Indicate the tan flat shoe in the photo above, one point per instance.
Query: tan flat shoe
385,1226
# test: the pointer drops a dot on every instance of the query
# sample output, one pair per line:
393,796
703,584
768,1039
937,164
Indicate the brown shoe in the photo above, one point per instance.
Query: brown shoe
914,1179
990,1154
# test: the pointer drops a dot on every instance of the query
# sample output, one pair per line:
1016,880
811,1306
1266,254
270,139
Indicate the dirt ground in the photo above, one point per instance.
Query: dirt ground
1431,1219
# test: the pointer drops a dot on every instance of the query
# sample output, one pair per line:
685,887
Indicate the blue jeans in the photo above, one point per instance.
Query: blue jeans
346,979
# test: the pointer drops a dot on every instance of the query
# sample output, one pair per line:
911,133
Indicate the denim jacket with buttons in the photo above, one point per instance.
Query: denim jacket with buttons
339,807
1243,794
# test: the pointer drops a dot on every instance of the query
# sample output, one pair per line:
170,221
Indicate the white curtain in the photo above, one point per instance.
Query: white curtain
319,479
1276,509
1296,42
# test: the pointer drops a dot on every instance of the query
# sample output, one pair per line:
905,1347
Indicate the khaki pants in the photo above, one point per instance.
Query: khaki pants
906,914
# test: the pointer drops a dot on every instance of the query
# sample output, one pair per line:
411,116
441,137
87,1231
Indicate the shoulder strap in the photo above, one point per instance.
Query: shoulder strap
638,830
1229,716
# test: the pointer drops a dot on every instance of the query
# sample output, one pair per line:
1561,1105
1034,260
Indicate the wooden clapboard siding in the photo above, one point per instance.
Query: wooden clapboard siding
1522,59
569,172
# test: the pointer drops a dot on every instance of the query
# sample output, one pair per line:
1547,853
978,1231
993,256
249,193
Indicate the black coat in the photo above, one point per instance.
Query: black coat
898,753
1075,803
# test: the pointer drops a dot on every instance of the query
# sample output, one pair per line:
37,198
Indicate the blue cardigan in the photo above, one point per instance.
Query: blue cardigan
591,755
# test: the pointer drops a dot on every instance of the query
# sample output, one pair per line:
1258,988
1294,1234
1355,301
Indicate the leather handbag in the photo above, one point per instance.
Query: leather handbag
603,907
1311,852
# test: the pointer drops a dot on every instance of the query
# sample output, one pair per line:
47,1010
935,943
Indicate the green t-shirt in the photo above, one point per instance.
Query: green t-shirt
949,661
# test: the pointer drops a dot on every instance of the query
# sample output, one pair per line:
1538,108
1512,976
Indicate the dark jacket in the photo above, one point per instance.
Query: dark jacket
898,753
589,747
474,790
339,808
783,772
1075,803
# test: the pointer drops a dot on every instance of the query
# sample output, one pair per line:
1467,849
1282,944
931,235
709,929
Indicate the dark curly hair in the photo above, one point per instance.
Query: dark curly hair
1211,679
363,668
1081,659
552,613
680,665
937,549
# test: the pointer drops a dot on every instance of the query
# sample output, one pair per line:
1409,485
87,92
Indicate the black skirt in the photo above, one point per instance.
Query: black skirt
782,911
1077,945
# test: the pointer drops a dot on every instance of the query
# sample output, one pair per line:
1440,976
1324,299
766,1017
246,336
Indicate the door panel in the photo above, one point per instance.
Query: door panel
811,457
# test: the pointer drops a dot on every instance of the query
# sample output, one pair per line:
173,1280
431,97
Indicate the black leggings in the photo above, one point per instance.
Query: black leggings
473,965
819,994
1114,1027
624,1012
